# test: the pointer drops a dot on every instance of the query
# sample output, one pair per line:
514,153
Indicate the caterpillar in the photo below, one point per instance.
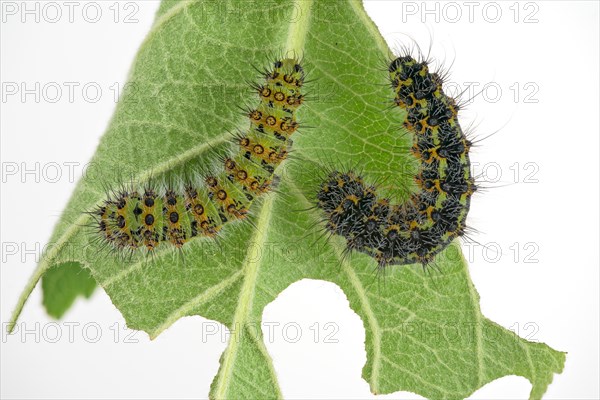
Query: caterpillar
421,227
146,217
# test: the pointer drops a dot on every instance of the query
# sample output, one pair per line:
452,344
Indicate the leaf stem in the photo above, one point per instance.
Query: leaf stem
298,29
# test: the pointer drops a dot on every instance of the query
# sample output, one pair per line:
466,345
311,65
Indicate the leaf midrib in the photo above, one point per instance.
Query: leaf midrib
250,268
294,46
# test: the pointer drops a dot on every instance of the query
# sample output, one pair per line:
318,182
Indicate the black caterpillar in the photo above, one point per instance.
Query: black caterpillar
420,228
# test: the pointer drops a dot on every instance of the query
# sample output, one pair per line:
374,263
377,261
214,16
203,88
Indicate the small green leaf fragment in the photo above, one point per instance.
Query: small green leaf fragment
62,284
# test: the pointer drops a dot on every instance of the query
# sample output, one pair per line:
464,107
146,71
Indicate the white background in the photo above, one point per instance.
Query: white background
554,300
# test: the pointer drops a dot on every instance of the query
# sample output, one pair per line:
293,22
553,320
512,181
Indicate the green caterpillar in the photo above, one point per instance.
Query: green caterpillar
146,217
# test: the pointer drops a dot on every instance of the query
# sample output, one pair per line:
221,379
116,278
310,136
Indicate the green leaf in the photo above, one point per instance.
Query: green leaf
62,284
424,330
